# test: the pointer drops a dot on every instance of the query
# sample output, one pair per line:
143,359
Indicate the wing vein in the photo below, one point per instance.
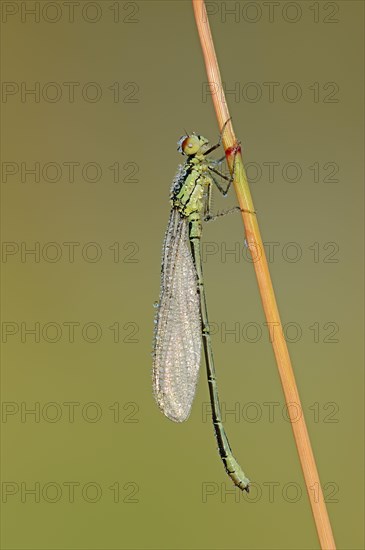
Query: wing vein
177,345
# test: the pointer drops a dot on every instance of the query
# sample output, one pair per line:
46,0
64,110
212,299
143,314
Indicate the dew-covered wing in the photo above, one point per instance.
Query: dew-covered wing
178,328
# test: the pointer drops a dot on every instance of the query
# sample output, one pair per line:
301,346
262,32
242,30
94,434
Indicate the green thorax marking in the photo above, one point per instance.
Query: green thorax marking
189,197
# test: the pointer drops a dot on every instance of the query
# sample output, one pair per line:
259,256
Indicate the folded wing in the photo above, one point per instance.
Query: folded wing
177,346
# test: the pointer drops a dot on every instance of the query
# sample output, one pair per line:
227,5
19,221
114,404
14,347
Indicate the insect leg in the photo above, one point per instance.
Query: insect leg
214,147
208,216
208,203
219,186
217,162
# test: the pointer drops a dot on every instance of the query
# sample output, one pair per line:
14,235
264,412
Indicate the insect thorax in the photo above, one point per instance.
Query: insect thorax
187,193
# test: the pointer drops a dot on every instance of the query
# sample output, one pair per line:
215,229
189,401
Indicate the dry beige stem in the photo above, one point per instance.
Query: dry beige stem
253,236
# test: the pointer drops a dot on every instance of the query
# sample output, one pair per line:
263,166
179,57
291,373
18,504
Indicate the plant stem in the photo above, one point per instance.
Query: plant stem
255,244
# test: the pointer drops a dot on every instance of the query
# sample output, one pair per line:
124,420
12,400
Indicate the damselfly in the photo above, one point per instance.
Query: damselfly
182,320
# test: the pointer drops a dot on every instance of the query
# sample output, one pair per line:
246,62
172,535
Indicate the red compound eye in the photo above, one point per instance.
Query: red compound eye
185,143
182,143
189,144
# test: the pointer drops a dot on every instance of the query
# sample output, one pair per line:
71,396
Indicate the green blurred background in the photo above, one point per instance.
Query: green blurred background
96,465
